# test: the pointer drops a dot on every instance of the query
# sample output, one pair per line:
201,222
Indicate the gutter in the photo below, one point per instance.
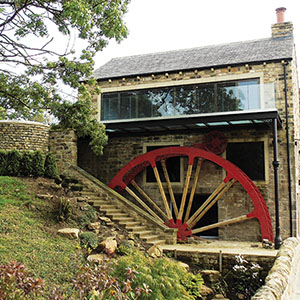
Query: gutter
288,147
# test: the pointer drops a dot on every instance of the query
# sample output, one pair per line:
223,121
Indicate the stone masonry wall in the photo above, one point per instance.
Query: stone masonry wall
63,144
21,135
282,278
122,149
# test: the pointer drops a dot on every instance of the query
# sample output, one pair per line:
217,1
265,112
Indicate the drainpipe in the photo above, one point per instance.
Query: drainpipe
288,148
278,240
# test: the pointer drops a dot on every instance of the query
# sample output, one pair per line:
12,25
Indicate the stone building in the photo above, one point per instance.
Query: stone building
238,100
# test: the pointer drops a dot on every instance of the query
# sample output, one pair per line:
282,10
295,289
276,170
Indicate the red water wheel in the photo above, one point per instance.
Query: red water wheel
180,216
215,142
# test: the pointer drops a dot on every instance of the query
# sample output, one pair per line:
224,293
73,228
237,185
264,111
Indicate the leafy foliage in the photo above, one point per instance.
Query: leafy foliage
26,167
89,240
53,26
50,166
13,161
38,161
244,279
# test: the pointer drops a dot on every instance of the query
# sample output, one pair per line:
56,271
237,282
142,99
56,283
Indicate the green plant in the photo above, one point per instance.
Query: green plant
26,165
89,240
244,279
165,278
88,215
38,161
50,166
3,163
65,210
125,248
13,163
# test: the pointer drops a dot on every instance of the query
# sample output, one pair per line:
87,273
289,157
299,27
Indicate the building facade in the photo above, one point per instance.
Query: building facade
238,100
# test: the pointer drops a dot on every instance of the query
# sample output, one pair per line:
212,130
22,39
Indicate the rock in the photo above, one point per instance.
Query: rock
210,277
97,258
184,265
206,293
94,226
44,196
69,232
219,296
110,246
155,251
131,236
105,219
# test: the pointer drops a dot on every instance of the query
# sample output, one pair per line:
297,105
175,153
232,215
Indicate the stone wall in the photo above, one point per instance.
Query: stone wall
21,135
63,144
282,278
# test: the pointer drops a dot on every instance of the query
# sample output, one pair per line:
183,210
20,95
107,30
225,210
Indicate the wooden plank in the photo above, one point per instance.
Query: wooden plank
142,192
196,179
185,191
220,224
162,192
139,200
164,166
212,196
229,184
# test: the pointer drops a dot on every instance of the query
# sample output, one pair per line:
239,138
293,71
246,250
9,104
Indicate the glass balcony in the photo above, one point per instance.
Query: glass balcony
242,95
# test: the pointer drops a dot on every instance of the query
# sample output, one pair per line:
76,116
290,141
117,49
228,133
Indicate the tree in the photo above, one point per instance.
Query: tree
37,50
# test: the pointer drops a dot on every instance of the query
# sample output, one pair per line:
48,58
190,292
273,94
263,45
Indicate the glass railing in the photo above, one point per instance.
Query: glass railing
231,96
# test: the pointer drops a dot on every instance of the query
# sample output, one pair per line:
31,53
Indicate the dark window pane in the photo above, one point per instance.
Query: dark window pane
249,157
173,167
110,106
206,98
187,101
128,105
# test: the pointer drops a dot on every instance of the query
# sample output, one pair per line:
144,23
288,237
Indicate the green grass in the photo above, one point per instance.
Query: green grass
24,237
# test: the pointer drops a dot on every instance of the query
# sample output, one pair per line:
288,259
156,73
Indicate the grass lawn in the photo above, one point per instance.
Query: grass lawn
24,236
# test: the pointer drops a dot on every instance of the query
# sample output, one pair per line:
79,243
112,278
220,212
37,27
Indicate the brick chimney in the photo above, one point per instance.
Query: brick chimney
282,28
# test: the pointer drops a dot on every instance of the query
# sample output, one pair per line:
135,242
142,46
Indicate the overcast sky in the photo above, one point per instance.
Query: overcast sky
162,25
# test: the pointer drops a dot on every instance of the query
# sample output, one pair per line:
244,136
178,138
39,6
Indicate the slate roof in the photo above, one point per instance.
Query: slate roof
261,50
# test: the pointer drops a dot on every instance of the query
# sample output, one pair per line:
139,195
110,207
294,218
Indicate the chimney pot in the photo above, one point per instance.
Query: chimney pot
280,14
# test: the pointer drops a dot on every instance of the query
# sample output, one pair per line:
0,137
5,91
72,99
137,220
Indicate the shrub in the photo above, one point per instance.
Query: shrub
38,164
89,240
3,163
13,163
50,166
244,279
165,278
16,283
65,210
26,167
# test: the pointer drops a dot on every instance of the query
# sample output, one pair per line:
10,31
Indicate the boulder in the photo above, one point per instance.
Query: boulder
110,246
94,226
97,258
206,293
155,251
71,233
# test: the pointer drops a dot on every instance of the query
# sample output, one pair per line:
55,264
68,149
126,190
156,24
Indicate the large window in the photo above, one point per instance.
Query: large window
249,157
182,100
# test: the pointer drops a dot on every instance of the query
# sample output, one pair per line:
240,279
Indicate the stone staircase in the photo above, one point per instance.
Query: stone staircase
121,211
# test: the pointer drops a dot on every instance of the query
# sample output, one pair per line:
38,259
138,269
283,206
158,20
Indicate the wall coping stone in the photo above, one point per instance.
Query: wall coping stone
23,122
279,283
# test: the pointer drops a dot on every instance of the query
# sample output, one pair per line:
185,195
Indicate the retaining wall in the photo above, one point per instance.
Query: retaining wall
281,280
23,135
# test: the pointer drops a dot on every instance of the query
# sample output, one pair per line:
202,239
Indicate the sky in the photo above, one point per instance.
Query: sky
163,25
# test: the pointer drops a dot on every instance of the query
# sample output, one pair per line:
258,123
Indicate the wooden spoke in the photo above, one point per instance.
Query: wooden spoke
228,185
196,179
162,192
220,224
164,167
185,190
140,201
215,192
141,191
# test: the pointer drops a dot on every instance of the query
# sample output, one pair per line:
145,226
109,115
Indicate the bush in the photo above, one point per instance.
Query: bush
65,210
38,164
26,167
16,283
3,163
13,163
165,278
89,240
50,166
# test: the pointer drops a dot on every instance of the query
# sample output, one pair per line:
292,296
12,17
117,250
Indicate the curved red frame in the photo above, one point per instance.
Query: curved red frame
134,167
